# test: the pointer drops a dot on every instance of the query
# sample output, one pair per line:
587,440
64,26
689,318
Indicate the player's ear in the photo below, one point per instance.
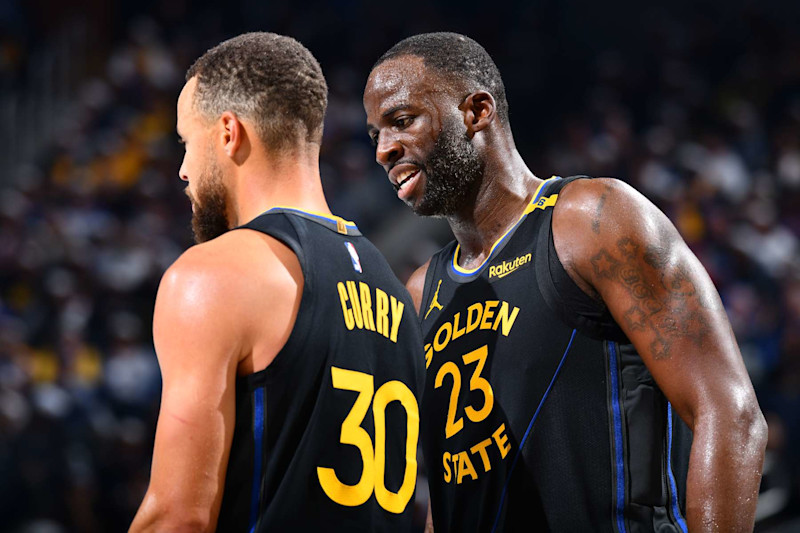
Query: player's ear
232,133
479,110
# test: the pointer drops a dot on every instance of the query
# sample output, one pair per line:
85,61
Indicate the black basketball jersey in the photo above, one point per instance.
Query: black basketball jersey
326,436
538,415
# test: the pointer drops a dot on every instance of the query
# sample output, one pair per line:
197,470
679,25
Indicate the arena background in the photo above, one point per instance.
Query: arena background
695,103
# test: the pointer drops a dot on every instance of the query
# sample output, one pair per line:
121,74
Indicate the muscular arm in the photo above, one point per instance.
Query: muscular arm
621,249
212,317
198,351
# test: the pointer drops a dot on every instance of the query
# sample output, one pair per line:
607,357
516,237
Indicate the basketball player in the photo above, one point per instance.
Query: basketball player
291,356
569,331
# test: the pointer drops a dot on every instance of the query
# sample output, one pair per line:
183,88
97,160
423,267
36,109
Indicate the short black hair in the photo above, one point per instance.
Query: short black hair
270,79
455,55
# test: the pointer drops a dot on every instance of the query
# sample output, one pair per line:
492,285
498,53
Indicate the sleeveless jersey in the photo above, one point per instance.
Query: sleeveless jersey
538,414
326,436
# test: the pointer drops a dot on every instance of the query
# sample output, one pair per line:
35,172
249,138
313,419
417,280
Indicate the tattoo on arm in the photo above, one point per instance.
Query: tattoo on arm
599,210
674,317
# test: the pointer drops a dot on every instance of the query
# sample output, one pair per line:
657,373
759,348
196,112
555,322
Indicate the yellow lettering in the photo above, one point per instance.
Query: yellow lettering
502,317
395,391
428,355
446,462
354,435
457,332
480,448
502,440
465,468
397,316
382,312
474,312
488,314
354,300
366,306
348,314
439,345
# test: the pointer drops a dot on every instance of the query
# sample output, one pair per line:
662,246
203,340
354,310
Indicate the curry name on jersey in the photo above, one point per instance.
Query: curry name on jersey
326,436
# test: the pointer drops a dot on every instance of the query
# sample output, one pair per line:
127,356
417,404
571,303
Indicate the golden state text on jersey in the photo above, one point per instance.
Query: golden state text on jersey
522,411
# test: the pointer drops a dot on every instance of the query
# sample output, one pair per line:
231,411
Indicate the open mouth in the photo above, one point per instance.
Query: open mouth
404,177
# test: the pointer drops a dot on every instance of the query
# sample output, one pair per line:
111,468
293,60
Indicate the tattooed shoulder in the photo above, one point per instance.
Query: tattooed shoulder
598,212
669,312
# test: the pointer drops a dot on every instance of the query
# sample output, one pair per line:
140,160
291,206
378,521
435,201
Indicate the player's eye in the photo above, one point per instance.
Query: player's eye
373,136
403,121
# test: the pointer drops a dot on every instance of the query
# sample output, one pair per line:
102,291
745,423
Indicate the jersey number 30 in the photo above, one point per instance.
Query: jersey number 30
374,459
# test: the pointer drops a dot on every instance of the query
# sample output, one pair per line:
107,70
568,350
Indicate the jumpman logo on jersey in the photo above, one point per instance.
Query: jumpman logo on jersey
435,302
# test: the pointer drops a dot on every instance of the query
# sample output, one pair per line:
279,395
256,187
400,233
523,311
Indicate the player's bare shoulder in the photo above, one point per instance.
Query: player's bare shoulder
599,205
245,284
594,216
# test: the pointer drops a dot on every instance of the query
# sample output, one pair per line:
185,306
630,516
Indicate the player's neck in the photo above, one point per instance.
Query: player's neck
506,189
279,182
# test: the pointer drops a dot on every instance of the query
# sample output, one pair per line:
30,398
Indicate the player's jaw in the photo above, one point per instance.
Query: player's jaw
209,205
440,185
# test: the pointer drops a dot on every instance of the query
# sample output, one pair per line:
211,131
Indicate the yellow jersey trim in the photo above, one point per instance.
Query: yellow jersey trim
532,205
332,218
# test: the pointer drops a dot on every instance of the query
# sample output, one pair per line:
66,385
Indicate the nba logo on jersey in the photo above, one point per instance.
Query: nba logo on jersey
353,256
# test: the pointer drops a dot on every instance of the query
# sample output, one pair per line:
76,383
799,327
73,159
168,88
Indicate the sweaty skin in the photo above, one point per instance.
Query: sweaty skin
621,250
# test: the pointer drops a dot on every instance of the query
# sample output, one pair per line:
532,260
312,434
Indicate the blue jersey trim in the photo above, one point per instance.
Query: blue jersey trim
463,273
619,457
540,192
676,509
530,427
258,438
319,216
498,244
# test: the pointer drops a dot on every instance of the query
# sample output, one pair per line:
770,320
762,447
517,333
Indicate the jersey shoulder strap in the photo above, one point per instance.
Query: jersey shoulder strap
561,294
290,231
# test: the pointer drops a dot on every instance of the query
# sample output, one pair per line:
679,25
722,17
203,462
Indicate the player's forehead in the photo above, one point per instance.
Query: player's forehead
184,105
400,81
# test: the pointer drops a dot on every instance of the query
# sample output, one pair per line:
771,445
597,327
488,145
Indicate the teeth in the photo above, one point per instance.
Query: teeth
401,178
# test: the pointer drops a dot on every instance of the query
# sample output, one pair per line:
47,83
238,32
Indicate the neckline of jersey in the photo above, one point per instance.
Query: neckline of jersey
469,272
313,214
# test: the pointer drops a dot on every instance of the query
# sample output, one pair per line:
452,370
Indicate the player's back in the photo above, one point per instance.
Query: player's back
326,435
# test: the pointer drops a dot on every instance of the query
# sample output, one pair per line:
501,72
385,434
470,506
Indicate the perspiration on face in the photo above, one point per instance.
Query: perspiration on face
436,142
459,59
272,80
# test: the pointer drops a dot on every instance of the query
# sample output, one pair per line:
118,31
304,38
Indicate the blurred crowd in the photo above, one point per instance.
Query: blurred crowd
698,110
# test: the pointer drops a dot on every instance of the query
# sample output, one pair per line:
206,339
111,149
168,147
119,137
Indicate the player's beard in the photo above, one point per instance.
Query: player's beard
452,171
210,216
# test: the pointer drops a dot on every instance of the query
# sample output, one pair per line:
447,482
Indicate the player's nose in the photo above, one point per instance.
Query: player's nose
388,151
182,174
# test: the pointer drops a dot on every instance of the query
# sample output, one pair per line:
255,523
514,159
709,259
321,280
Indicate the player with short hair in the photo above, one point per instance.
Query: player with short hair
574,344
290,354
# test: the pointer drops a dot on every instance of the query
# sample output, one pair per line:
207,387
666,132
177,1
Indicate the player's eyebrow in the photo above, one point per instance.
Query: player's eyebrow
387,113
394,109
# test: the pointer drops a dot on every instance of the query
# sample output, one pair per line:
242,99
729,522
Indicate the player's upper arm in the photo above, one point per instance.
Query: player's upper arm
198,344
416,284
620,248
215,306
